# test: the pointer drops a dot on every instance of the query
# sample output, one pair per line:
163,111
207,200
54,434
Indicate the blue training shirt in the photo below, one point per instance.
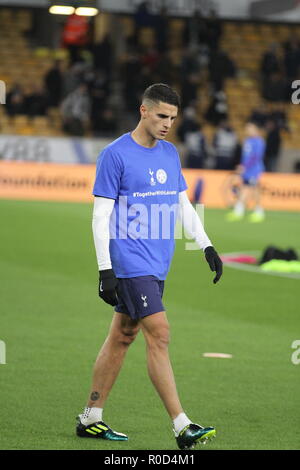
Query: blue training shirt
145,183
253,157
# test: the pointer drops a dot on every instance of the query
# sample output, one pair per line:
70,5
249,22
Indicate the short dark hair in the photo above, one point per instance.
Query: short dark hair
162,92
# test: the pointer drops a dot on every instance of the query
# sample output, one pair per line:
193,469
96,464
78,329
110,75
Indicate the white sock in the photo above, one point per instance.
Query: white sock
258,210
239,208
91,415
180,422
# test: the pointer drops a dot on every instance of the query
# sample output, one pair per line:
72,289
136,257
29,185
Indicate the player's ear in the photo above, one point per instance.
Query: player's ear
143,111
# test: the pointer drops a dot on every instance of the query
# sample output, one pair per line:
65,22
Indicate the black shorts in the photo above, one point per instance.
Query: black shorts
140,296
250,181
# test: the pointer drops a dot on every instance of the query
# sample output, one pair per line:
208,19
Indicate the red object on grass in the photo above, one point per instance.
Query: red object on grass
239,259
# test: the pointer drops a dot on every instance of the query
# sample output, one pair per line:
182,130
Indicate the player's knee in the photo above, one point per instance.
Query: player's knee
127,335
159,338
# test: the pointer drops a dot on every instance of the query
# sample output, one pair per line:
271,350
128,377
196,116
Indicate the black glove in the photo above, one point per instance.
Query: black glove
107,286
214,261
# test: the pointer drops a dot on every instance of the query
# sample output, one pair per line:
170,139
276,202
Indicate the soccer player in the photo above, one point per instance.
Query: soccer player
250,170
137,174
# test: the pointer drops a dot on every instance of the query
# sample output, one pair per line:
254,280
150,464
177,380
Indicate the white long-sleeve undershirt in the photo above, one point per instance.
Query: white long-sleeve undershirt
191,222
103,208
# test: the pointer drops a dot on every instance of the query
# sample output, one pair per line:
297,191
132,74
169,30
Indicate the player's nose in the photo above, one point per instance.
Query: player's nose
168,124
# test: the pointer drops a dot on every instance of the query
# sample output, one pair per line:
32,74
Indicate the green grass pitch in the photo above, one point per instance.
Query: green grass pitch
53,324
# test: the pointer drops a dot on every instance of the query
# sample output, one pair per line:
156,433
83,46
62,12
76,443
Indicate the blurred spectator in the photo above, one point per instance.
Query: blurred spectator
190,134
259,115
271,61
190,63
280,118
237,155
273,144
190,30
15,101
224,143
166,71
107,124
99,92
143,18
36,101
275,88
196,148
129,71
194,31
102,54
72,78
201,30
218,109
220,68
189,89
215,29
75,35
188,122
54,83
144,79
292,58
203,55
89,75
75,110
162,29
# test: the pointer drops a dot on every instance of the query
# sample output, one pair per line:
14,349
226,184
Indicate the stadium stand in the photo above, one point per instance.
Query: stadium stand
244,43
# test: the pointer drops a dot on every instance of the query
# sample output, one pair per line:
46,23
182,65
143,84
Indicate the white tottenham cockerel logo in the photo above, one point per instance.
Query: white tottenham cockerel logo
152,180
144,298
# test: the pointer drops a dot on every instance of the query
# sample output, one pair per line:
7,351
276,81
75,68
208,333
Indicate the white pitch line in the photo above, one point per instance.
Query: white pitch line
218,355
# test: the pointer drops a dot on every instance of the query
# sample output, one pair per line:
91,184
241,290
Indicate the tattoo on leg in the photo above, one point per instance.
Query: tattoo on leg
95,396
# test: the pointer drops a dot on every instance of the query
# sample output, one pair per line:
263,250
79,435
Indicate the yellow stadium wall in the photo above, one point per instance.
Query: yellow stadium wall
58,182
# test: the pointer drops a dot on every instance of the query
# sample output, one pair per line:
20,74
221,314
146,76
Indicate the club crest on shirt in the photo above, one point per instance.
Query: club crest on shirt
161,176
152,180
